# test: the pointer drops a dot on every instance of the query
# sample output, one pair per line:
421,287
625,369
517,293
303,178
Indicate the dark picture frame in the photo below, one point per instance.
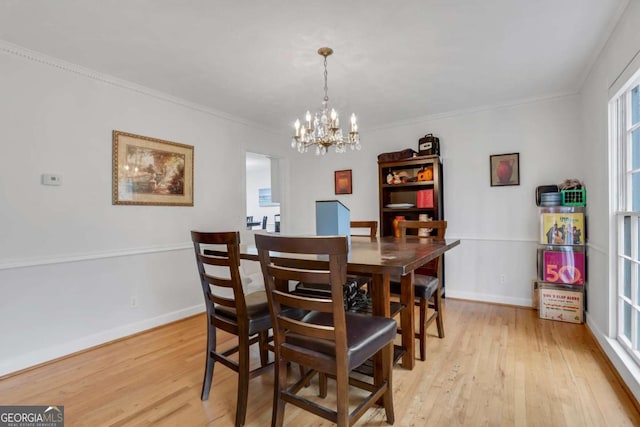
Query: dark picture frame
504,169
151,171
342,180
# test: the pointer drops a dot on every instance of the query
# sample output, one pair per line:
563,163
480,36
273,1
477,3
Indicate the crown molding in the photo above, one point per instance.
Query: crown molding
478,109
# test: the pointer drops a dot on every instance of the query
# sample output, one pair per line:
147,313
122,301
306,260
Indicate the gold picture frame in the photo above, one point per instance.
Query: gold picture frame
150,171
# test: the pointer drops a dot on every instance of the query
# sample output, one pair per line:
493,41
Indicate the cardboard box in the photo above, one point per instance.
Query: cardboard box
561,304
535,299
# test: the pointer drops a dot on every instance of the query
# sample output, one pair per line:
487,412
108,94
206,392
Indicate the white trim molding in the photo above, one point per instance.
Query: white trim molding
61,259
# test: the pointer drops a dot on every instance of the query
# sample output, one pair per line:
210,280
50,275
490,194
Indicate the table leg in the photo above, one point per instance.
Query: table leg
381,302
407,321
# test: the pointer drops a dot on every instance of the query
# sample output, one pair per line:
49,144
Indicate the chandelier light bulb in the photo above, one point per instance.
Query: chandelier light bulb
324,131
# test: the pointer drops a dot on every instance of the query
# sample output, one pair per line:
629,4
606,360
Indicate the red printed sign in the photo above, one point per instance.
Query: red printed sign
564,267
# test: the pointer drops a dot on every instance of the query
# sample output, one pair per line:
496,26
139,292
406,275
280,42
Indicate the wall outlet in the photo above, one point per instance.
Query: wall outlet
133,302
503,279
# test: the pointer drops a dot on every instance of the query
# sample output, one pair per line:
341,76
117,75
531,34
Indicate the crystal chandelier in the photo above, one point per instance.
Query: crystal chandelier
323,130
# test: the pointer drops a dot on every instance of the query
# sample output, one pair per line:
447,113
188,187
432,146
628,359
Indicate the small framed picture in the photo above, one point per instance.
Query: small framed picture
343,181
504,169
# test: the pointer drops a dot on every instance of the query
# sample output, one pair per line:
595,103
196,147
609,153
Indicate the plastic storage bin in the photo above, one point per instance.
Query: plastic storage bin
574,197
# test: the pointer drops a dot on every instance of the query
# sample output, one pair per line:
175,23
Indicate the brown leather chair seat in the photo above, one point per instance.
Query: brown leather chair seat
258,314
424,286
257,311
365,334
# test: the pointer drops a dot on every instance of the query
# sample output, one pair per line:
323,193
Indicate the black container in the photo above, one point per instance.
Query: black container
429,145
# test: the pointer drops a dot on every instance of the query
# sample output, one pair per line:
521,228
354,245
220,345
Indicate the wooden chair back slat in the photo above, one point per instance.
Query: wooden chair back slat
372,226
220,300
315,331
439,226
308,276
302,302
223,282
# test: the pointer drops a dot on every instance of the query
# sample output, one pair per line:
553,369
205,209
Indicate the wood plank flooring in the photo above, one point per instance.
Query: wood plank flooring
497,366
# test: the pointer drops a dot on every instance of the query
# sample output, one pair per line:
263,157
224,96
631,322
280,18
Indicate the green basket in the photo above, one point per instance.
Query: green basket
574,197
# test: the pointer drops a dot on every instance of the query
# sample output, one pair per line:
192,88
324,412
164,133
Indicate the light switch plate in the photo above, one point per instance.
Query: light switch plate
51,179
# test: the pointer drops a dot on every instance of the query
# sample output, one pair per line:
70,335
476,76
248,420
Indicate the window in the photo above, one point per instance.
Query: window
624,110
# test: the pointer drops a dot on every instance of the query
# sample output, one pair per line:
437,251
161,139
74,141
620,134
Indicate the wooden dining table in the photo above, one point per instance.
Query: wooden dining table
382,258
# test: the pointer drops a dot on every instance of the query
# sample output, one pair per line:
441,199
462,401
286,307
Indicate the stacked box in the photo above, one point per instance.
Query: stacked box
564,304
562,227
564,265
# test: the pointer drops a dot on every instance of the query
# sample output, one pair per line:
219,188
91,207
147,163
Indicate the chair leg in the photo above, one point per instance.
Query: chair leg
209,364
437,302
302,374
422,335
322,383
387,369
277,415
243,379
342,398
264,351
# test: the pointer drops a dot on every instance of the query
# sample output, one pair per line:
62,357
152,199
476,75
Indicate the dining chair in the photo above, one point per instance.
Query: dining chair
276,219
372,226
427,282
264,222
327,339
229,309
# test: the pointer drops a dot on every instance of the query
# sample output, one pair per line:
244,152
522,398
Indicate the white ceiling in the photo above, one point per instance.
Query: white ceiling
393,60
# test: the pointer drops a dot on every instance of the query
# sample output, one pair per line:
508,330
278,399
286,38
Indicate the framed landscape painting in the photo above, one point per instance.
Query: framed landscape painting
150,171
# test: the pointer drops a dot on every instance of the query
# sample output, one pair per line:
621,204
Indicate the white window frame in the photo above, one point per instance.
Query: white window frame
621,130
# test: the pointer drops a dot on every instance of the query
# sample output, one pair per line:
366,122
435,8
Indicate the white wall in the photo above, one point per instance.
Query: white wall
620,49
70,261
498,226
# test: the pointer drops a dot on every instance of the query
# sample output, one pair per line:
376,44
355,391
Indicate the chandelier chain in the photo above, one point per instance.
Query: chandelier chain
326,87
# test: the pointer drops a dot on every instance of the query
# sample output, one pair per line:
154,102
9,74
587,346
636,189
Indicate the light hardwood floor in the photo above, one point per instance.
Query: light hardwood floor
497,366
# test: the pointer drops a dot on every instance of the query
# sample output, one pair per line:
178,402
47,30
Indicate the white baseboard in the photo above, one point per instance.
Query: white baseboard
622,362
498,299
47,354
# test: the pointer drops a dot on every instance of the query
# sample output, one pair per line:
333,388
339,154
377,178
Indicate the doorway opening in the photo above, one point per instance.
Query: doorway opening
262,192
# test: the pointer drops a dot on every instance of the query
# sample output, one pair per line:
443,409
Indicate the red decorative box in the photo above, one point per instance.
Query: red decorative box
564,267
424,198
